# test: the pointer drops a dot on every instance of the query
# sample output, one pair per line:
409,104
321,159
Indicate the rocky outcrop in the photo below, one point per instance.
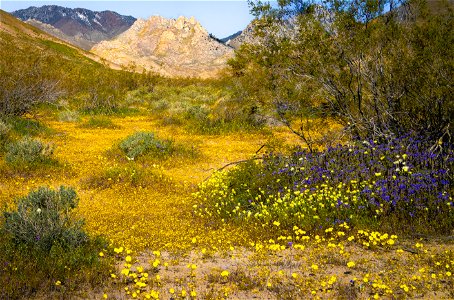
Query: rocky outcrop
242,37
171,47
81,27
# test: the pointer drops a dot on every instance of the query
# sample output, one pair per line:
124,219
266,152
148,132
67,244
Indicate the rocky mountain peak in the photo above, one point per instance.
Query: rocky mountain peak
171,47
83,26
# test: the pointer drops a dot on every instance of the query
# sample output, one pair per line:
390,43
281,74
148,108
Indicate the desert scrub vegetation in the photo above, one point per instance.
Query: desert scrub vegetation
26,126
148,145
358,220
69,116
200,107
43,218
129,175
141,143
29,152
36,71
5,130
99,122
354,62
42,246
398,186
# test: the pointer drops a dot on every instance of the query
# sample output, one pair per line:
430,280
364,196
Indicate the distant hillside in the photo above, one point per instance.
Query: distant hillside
33,61
81,27
174,48
230,37
241,37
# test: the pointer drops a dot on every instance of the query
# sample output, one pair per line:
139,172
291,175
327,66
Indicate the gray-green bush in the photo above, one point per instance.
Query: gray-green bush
28,151
141,143
42,219
100,122
69,116
4,134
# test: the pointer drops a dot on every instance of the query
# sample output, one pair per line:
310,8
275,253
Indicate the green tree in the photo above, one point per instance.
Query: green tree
381,68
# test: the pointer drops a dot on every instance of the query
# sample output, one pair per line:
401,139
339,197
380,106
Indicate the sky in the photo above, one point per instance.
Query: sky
221,18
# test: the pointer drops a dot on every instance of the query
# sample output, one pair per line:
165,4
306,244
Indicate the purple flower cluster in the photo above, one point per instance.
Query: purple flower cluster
402,180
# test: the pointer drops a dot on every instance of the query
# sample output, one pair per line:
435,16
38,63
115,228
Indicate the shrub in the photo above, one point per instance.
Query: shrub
4,134
69,116
28,271
100,122
362,62
141,143
160,105
393,186
42,219
28,127
28,151
27,87
40,244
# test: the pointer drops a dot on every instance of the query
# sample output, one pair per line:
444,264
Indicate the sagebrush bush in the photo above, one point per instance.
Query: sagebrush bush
4,134
203,108
100,122
42,219
141,143
28,151
130,175
69,116
41,244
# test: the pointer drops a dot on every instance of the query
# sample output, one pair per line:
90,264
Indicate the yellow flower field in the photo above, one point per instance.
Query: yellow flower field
165,250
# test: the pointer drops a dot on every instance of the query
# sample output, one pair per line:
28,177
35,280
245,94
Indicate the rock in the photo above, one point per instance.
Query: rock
174,48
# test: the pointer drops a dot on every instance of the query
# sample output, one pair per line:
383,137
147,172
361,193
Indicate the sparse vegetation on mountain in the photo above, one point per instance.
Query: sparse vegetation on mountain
37,69
81,27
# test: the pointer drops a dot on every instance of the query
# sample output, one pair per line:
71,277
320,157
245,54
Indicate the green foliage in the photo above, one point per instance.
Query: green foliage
100,122
379,73
35,70
146,147
21,126
373,186
42,220
4,135
27,270
69,116
25,80
142,143
61,48
203,107
28,152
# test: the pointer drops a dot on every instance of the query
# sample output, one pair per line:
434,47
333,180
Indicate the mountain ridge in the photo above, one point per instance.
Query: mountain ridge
171,47
81,26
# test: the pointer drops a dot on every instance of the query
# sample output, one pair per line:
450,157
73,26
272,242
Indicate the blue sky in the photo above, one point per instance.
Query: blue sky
220,18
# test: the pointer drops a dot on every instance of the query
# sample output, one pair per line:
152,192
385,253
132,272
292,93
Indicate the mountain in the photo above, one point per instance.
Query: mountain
36,67
230,37
171,47
241,37
81,27
16,36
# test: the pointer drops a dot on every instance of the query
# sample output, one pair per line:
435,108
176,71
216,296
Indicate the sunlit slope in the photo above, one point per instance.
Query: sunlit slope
30,57
18,39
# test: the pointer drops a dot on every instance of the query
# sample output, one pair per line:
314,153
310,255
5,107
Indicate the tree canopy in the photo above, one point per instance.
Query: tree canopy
380,68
